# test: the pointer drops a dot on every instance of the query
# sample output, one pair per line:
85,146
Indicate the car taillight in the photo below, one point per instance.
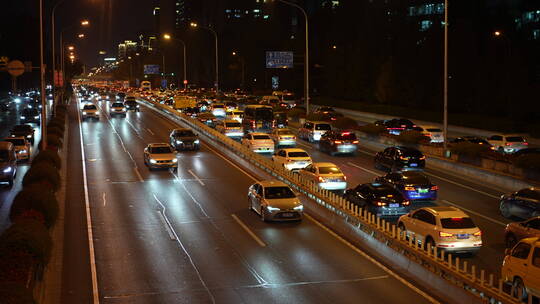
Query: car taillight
355,142
409,188
525,143
406,203
422,157
337,142
403,158
479,233
445,234
380,204
508,144
253,124
344,177
435,188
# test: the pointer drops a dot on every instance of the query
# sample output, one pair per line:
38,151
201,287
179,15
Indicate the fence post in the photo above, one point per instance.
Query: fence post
473,272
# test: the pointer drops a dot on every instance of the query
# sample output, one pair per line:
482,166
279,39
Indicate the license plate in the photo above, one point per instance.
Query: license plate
414,165
287,214
423,190
462,236
394,205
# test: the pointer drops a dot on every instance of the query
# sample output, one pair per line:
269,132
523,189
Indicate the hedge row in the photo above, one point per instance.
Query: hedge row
25,247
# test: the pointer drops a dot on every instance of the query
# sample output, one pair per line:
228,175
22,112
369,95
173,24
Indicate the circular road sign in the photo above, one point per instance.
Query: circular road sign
15,68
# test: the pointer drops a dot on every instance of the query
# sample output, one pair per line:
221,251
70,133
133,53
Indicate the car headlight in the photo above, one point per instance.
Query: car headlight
84,113
175,160
23,117
8,169
272,208
299,208
153,161
137,106
28,136
196,141
179,142
97,112
36,117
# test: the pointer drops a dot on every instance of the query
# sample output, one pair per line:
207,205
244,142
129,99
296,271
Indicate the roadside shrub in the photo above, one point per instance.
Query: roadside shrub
43,173
372,129
345,123
56,124
296,113
48,156
54,140
412,137
35,202
316,116
27,236
15,266
55,131
469,149
16,293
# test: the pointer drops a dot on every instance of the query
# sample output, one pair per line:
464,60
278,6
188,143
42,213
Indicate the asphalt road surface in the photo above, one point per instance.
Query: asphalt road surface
188,236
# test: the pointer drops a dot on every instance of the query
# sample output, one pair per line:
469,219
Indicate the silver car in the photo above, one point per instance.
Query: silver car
274,200
160,155
117,108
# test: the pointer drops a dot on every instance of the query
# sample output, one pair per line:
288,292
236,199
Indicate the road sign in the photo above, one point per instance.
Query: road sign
15,68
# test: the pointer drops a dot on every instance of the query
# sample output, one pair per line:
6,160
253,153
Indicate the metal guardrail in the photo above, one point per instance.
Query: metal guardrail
459,273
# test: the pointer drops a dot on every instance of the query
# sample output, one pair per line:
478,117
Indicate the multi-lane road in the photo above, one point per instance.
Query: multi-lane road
188,236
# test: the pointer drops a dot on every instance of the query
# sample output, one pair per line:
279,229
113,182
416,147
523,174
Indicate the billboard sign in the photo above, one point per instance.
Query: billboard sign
151,69
279,60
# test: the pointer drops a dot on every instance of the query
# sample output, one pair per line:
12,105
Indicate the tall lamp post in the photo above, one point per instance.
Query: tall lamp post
306,55
53,21
445,85
169,37
195,25
62,65
42,81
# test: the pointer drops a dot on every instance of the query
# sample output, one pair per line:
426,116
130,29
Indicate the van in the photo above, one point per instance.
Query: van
521,268
313,130
8,162
258,118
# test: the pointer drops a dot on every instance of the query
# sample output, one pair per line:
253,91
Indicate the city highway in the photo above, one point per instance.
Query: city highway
188,236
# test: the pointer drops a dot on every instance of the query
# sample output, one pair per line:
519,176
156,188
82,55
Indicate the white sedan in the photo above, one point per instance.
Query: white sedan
292,159
326,175
258,142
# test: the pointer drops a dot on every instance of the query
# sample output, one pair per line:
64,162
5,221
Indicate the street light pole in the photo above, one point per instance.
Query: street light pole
168,37
42,80
216,84
445,86
54,48
306,56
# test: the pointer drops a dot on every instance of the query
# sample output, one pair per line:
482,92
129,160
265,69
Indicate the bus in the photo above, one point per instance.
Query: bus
258,118
146,85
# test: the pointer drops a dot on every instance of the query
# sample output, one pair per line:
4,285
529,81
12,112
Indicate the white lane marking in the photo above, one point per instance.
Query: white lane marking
95,290
139,176
104,199
184,249
364,169
461,185
231,163
134,129
278,285
169,232
196,177
189,193
475,213
251,233
150,131
372,260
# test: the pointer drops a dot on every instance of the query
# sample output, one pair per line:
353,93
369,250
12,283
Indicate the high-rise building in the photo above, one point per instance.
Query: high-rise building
126,49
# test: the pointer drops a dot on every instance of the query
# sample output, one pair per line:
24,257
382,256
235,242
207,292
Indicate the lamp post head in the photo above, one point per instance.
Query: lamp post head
166,36
193,24
85,23
234,53
497,33
80,36
71,48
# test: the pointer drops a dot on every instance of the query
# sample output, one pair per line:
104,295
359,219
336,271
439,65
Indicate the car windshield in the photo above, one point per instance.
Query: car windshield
89,107
264,114
416,179
412,153
457,223
261,137
324,127
117,104
4,155
298,154
433,130
285,132
220,106
131,102
16,141
233,124
184,133
22,128
278,192
515,139
329,170
160,150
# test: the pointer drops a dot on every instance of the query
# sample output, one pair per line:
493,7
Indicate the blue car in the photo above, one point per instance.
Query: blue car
414,185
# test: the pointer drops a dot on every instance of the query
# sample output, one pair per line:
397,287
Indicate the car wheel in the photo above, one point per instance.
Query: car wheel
510,240
519,289
505,210
263,215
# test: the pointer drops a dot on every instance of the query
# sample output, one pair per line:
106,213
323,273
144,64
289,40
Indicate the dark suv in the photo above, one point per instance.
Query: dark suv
524,203
184,139
334,142
412,184
30,115
131,105
399,158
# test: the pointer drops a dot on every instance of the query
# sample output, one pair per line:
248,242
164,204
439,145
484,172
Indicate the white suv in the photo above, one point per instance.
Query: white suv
447,228
507,143
521,268
258,142
313,130
292,159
